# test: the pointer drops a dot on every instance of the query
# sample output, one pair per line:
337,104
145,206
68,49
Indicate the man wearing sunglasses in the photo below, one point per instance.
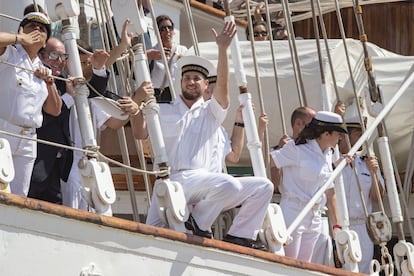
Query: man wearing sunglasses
172,52
53,163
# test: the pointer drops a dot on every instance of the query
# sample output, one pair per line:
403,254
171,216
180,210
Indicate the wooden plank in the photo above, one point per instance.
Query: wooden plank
388,25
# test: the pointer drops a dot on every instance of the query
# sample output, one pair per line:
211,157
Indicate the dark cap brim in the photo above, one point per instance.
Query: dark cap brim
340,127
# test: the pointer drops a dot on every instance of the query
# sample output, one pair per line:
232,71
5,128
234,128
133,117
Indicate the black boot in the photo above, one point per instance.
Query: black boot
191,225
244,242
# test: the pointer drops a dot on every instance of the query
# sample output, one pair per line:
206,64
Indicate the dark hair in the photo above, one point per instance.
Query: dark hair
31,8
312,131
163,17
255,23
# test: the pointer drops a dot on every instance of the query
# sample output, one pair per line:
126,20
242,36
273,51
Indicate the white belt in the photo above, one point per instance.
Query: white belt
23,130
317,209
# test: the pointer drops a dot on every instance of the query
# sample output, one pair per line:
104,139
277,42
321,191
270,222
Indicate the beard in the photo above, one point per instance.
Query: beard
191,96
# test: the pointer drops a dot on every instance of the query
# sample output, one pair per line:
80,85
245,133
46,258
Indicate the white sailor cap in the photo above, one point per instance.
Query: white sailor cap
212,78
39,18
330,121
195,63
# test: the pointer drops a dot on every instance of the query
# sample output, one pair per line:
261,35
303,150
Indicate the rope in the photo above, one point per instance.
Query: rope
163,56
375,97
259,89
191,24
328,52
10,17
294,54
111,39
81,80
86,151
278,92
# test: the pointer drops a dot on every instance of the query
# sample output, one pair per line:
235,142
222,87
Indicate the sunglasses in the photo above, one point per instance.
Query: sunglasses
256,34
54,56
164,28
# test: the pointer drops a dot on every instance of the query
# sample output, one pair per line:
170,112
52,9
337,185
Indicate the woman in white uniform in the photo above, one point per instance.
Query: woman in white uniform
306,165
24,93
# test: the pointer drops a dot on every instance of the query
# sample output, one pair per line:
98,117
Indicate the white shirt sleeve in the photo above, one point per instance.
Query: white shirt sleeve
100,72
286,156
218,111
68,100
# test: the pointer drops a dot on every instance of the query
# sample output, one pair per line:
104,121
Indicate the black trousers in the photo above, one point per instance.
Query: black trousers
49,189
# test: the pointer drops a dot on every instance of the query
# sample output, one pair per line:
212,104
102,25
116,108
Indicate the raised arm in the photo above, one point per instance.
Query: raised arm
237,138
223,40
138,122
117,51
53,103
20,38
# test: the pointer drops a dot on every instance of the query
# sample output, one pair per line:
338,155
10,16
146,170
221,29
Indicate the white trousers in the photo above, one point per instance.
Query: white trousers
306,234
323,246
212,193
72,189
367,247
23,153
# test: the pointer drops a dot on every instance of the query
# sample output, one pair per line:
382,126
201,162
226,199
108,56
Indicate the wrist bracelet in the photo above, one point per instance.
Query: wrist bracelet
15,41
238,124
336,226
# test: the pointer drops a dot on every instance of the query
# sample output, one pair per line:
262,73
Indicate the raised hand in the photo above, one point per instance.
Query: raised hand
99,58
340,108
226,36
125,36
31,38
153,54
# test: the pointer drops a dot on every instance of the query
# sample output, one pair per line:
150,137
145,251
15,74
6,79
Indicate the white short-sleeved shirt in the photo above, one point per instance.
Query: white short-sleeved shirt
158,71
355,208
190,134
305,169
221,150
23,94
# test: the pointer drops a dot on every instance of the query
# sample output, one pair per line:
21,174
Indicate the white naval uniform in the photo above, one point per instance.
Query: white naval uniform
305,169
190,137
23,96
355,209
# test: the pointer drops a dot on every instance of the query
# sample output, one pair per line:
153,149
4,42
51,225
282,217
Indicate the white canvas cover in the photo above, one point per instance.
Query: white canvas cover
390,70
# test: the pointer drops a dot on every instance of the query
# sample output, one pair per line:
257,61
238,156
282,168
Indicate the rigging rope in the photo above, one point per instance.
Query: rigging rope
278,92
190,22
111,39
87,151
294,54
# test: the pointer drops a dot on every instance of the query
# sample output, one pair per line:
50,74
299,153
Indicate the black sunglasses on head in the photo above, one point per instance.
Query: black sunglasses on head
54,56
164,28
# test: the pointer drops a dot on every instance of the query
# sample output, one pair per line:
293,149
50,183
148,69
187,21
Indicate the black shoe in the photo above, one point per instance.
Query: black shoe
191,225
244,242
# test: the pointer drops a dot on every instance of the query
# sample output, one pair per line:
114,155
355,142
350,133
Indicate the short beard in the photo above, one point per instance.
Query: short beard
190,97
